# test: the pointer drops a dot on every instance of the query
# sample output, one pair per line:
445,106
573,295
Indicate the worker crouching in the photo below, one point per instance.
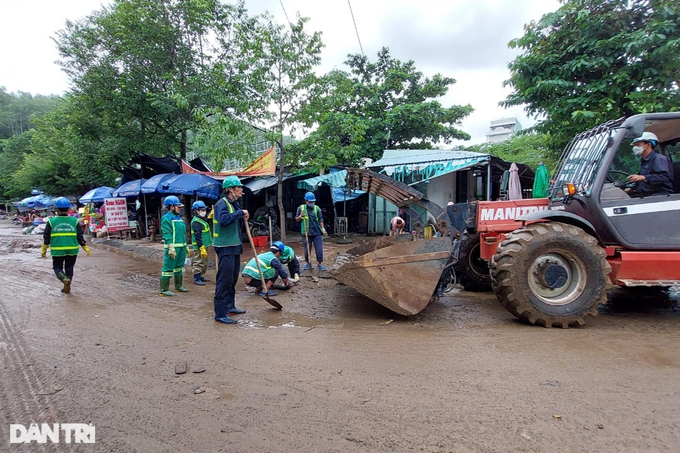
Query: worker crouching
271,270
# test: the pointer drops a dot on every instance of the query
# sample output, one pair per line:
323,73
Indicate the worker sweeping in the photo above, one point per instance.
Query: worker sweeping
271,270
312,227
174,233
63,235
201,239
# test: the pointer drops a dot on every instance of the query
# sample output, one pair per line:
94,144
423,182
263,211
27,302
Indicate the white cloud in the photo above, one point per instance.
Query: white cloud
463,39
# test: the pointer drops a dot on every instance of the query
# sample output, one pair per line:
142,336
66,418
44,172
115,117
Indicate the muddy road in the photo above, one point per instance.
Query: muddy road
332,372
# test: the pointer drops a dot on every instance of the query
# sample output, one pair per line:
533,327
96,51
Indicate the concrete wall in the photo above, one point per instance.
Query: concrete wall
441,190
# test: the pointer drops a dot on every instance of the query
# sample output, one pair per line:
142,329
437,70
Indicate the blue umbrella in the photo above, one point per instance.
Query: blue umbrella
97,195
37,201
129,189
153,183
191,184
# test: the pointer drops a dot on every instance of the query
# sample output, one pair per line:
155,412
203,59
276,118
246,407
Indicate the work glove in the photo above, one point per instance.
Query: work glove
43,250
171,252
296,278
323,231
203,252
87,249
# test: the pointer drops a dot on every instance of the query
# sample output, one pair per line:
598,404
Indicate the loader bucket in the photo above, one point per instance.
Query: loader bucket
396,271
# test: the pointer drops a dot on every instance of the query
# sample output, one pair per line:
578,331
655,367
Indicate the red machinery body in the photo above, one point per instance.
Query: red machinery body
644,268
494,218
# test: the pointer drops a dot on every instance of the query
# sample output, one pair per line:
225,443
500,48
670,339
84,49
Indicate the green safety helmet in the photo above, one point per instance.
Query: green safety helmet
231,181
287,255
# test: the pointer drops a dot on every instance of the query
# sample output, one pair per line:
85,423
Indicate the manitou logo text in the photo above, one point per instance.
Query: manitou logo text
490,214
77,433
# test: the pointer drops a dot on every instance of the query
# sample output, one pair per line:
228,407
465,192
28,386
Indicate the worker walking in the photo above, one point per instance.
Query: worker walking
271,268
174,233
201,239
228,243
312,228
63,235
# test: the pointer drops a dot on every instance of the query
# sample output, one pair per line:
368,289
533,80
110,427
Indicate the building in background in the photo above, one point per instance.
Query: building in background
502,129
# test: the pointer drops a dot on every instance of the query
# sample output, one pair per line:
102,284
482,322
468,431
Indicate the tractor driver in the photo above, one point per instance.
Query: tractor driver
656,171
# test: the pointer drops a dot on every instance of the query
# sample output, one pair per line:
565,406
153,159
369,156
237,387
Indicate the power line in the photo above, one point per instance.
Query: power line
284,11
355,27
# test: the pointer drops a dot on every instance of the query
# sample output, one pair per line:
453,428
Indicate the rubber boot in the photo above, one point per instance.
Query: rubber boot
221,313
178,283
66,281
165,287
197,280
203,279
232,310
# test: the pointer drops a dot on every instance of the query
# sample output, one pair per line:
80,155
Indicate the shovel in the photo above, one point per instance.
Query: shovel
309,255
269,300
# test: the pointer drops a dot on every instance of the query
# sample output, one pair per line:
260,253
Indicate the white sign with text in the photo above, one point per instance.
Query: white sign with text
115,211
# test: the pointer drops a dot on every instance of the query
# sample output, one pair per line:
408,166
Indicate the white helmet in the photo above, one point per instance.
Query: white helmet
647,137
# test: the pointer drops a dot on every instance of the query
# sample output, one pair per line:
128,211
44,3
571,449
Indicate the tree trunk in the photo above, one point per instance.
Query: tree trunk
279,192
183,146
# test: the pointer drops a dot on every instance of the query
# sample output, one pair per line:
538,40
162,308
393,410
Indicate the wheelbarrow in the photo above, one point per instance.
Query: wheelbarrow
398,272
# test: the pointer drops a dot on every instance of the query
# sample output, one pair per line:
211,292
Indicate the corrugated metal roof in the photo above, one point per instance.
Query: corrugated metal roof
335,179
410,157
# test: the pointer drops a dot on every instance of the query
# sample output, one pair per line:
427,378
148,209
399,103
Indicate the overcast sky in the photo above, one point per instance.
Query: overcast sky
463,39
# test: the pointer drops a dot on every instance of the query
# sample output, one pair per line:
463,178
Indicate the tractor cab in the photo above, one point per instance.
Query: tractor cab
592,184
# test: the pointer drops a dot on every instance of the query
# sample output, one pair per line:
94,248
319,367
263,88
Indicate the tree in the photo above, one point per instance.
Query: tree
528,149
596,60
147,72
375,106
286,58
17,110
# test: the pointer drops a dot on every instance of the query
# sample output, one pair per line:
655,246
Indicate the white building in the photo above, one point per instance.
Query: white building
502,129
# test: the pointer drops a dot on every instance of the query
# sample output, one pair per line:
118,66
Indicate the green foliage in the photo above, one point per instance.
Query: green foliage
596,60
375,106
147,72
11,158
528,149
17,111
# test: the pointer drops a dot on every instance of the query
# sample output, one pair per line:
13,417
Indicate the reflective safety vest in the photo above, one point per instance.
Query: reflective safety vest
206,237
304,226
64,236
174,231
225,235
265,260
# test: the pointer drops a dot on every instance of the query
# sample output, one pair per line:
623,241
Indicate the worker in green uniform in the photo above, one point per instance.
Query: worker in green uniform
63,235
228,221
174,233
271,267
201,239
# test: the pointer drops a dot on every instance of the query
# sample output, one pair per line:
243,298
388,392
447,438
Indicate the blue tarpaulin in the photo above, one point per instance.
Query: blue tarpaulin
335,179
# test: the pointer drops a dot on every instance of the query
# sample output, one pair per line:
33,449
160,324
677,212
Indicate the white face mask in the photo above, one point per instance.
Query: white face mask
637,150
201,213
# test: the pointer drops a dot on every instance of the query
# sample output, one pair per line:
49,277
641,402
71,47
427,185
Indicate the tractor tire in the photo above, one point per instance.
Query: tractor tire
550,274
472,271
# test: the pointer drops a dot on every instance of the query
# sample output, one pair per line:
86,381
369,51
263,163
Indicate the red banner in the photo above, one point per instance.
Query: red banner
264,165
